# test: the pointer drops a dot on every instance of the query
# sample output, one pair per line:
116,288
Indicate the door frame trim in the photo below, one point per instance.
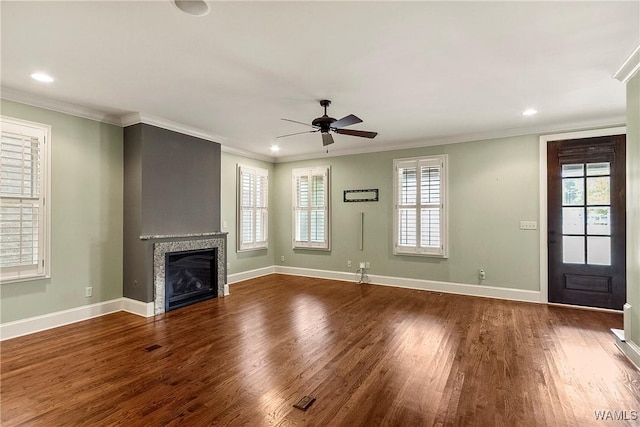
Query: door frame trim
542,229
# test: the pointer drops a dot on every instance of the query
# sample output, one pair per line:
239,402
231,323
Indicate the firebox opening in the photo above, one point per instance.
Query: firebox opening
190,277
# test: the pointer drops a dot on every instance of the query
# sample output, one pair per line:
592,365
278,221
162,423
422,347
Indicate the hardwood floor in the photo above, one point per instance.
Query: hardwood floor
370,355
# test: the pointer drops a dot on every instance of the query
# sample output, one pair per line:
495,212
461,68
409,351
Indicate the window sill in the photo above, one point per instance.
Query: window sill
8,280
261,248
420,254
311,248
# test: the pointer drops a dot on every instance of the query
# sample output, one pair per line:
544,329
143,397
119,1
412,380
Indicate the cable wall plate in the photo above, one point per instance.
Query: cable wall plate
369,195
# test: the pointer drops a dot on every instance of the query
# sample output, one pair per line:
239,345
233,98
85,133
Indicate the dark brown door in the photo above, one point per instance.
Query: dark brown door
586,214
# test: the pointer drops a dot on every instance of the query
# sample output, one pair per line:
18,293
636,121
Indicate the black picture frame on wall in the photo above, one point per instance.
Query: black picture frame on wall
367,195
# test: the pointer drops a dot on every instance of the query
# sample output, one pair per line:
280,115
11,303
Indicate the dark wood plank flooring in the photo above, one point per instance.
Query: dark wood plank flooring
370,355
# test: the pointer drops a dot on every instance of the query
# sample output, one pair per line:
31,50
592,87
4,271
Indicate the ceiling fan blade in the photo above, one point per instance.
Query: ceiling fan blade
300,123
327,139
298,133
346,121
360,133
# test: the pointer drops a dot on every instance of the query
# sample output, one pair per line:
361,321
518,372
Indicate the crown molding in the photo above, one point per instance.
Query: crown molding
629,68
248,154
135,118
58,106
469,137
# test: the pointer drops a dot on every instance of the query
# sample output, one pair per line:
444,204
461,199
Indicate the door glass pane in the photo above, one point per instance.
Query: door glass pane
572,220
598,221
572,170
573,249
572,191
599,250
598,169
598,190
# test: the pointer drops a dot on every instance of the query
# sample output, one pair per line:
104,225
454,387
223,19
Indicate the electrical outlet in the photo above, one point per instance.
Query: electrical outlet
224,225
363,265
282,258
349,264
367,265
88,291
481,274
228,266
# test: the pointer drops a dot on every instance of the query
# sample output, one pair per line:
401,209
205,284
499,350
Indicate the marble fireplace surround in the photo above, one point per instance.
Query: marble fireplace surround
163,244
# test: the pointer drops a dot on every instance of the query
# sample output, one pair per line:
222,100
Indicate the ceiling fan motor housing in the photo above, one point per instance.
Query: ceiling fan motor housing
324,123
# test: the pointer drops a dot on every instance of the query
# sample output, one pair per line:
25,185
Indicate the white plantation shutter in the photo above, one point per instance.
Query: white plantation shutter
253,187
23,186
311,208
420,208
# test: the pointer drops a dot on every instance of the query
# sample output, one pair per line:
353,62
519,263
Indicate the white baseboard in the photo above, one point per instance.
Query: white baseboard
59,318
320,274
425,285
629,349
250,274
144,309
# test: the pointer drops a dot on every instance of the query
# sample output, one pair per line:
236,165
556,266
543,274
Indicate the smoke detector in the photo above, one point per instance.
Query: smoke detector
192,7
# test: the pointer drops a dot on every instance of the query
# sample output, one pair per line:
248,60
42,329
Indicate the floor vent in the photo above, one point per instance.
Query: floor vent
304,403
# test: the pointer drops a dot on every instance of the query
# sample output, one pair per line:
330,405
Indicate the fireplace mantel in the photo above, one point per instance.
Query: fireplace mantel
183,236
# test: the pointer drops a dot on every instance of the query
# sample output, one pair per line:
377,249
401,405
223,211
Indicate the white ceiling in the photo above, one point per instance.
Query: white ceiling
419,73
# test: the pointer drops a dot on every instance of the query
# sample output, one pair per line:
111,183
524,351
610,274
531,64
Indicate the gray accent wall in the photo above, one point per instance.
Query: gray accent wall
493,185
171,187
86,217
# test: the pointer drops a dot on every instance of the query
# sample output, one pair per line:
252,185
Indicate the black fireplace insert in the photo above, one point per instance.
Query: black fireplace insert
190,277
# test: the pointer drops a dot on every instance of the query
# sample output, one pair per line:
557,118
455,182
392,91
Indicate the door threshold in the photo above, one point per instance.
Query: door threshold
582,307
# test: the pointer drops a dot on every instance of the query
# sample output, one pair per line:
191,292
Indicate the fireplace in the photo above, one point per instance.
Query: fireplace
190,277
188,268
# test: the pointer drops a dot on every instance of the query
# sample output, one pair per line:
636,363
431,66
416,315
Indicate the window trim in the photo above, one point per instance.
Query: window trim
253,245
43,269
443,251
324,171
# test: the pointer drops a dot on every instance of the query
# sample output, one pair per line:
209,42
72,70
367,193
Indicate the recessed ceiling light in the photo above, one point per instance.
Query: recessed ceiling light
275,148
530,112
192,7
42,77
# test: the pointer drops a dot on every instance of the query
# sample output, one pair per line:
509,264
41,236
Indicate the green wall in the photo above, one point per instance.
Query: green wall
86,217
633,204
493,184
246,260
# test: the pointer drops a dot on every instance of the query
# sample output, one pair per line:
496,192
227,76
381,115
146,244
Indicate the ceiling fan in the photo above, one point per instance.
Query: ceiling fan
326,124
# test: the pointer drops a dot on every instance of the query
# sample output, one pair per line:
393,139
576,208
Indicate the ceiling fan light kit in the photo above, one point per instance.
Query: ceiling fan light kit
325,125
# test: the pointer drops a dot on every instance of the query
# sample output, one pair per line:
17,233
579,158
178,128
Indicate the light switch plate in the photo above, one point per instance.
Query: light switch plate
528,225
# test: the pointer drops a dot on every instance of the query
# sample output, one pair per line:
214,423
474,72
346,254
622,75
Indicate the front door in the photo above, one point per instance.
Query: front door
586,221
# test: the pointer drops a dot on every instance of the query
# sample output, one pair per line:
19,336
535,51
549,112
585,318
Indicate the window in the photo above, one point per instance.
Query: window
253,215
311,208
24,186
420,219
